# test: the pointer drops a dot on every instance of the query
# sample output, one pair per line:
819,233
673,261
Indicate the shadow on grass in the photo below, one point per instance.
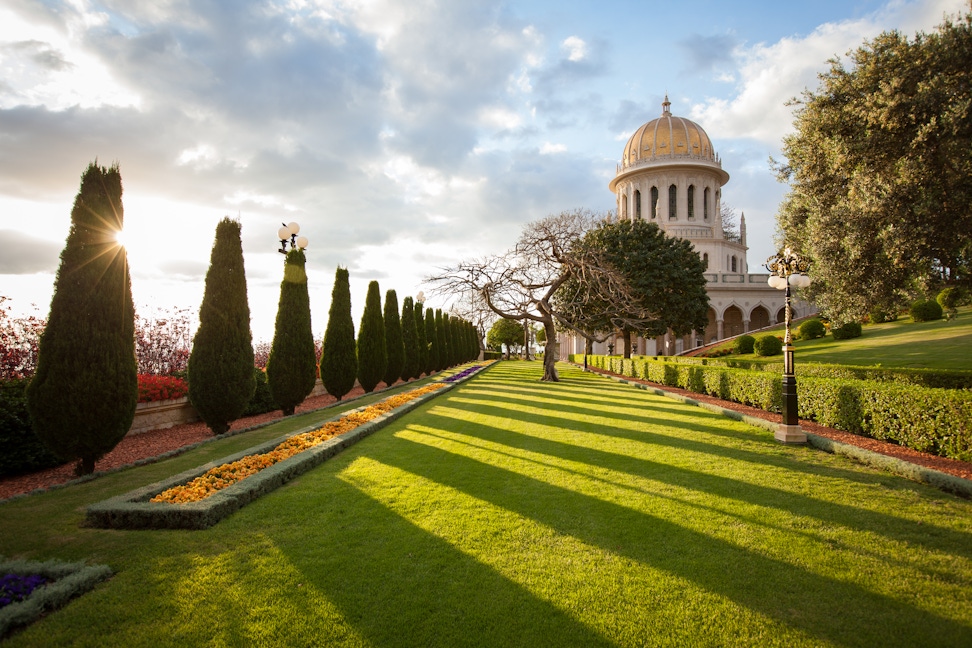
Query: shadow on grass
399,585
824,608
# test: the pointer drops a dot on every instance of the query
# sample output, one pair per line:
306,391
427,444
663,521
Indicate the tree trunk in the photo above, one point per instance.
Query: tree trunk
550,352
627,343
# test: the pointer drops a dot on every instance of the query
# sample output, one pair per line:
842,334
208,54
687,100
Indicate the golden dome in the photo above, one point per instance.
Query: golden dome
668,140
668,137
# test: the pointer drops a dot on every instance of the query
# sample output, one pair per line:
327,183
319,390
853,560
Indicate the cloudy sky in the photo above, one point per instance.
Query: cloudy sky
401,135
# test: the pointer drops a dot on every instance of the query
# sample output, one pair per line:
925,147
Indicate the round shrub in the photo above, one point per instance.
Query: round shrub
768,345
879,315
846,331
744,344
926,310
812,329
948,298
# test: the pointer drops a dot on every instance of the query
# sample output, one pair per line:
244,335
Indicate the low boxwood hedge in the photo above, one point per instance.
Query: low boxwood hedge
924,418
133,510
69,580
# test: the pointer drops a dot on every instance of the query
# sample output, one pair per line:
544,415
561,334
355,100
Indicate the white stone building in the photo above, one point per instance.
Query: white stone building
670,175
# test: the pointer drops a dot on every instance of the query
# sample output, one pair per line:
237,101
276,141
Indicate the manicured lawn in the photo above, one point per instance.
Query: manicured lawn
934,345
509,512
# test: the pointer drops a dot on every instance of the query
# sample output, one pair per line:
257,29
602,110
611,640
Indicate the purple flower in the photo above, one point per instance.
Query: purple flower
16,587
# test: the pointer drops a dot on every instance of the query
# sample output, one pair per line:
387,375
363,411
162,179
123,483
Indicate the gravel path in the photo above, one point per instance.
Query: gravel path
156,442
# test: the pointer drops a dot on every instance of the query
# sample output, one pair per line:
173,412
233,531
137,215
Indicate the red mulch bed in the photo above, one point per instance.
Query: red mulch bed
942,464
156,442
151,444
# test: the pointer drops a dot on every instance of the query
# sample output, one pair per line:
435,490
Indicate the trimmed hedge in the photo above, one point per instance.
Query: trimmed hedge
133,510
940,378
69,581
932,420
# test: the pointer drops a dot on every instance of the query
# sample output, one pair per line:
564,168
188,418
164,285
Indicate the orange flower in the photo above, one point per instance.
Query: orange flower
228,474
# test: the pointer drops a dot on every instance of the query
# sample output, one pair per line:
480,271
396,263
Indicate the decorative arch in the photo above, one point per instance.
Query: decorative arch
637,204
705,203
732,321
711,326
654,203
672,202
759,318
781,315
690,202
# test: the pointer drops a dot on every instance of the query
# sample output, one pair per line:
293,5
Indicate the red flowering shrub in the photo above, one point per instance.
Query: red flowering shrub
158,388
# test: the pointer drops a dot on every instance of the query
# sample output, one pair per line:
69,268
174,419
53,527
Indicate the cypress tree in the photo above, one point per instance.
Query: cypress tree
433,360
394,340
442,358
372,355
292,365
221,380
339,359
410,341
458,352
423,341
83,394
447,350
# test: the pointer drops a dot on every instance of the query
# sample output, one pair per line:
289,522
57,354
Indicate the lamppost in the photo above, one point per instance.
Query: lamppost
289,232
788,269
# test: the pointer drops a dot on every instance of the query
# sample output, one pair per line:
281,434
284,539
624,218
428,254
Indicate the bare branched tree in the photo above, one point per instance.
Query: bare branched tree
520,284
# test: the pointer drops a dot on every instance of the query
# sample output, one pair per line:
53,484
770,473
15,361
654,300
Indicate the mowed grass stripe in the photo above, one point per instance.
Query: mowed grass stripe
583,513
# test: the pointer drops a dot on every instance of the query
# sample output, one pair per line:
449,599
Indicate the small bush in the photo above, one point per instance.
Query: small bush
20,449
877,316
744,344
926,310
847,331
768,345
948,298
812,329
262,401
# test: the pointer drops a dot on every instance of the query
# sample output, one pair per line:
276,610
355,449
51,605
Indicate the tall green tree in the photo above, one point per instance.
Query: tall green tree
505,334
441,354
410,341
221,380
447,350
665,275
292,365
83,394
423,340
372,353
432,364
394,340
880,172
339,356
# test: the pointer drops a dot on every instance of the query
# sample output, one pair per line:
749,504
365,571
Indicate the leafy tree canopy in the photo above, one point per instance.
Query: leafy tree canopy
880,171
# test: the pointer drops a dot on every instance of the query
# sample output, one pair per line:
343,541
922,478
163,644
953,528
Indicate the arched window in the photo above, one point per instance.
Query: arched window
705,204
637,210
624,207
654,202
672,202
691,201
734,263
705,261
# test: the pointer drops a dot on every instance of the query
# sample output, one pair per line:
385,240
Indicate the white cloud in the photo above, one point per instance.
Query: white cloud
548,148
576,48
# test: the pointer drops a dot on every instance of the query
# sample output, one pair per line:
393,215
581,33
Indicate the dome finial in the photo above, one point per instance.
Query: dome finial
666,107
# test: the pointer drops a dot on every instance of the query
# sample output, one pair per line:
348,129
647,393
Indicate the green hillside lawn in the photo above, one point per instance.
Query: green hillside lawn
511,512
934,345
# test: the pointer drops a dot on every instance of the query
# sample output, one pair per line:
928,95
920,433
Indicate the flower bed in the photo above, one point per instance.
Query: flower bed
159,388
30,589
228,474
205,504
